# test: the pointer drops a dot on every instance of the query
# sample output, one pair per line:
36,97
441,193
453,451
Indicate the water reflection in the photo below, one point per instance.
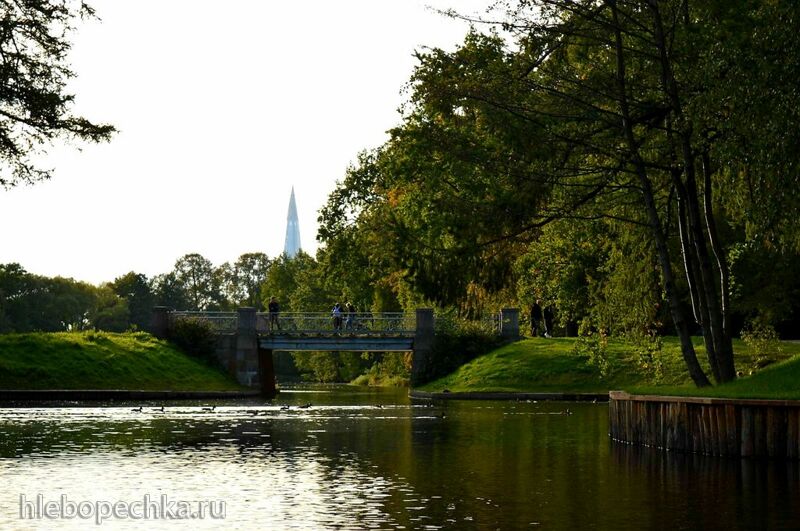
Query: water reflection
362,459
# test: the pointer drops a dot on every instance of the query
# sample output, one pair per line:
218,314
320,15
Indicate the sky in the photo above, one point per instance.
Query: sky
222,108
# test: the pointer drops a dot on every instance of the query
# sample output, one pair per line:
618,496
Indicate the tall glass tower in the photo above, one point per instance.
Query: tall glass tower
292,245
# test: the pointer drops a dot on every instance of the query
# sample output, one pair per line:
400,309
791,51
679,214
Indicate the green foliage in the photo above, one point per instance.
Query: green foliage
298,284
169,291
110,311
763,341
136,290
387,369
649,354
592,344
327,367
196,275
241,282
196,337
33,303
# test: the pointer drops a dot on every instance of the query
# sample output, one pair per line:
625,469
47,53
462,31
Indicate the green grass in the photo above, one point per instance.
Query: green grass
552,365
100,360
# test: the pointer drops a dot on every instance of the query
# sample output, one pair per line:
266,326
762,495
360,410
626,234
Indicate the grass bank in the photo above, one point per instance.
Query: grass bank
556,365
100,360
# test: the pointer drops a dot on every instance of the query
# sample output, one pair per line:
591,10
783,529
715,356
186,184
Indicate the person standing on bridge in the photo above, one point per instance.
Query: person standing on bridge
337,317
274,309
350,322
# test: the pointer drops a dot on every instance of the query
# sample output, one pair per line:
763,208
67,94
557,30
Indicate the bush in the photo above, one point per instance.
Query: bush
763,342
592,344
196,337
387,369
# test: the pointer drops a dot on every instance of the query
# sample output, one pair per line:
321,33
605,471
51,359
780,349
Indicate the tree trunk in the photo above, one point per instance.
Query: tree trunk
676,309
725,351
717,342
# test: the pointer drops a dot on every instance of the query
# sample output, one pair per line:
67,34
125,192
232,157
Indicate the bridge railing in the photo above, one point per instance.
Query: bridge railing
323,323
219,321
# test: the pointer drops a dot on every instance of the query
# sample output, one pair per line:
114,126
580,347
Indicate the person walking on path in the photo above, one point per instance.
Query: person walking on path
548,320
274,309
536,318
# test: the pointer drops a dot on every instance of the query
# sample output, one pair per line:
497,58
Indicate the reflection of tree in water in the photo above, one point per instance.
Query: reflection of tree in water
678,488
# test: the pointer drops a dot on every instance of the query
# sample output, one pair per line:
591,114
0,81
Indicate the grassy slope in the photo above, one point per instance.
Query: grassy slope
550,365
92,360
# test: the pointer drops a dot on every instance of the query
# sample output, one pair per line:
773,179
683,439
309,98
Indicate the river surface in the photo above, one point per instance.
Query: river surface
361,458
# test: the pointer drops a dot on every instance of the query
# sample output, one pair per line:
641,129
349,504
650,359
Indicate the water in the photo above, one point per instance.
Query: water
372,459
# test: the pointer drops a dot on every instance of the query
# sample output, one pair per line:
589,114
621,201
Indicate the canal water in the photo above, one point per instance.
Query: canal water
359,458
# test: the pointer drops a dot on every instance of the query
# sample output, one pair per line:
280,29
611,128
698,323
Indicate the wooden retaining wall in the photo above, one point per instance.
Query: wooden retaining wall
711,426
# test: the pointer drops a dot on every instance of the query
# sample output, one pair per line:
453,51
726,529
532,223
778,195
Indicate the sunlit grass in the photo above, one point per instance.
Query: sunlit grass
100,360
552,365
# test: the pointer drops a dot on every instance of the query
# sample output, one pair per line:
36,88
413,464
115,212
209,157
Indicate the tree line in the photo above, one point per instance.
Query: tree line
30,302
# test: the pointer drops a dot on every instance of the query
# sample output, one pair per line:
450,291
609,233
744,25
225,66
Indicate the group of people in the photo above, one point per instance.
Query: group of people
340,314
346,313
541,319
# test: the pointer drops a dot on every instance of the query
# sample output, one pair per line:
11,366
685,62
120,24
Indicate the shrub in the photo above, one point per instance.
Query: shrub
196,337
592,344
763,342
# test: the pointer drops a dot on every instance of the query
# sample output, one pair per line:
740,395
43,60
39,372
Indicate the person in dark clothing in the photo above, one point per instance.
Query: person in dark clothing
548,320
274,309
536,318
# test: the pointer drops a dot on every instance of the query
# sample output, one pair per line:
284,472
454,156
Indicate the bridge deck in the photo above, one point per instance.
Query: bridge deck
336,342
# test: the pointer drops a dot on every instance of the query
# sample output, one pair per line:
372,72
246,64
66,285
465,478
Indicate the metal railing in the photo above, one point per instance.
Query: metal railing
324,323
219,321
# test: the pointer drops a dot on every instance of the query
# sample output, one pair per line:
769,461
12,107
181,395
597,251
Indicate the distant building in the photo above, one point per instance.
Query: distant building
292,245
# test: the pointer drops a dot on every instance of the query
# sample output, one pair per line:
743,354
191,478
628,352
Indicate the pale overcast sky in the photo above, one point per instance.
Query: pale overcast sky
222,107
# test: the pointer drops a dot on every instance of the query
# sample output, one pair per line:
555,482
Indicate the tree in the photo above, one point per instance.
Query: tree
297,284
196,274
34,303
110,311
136,290
241,283
34,104
169,291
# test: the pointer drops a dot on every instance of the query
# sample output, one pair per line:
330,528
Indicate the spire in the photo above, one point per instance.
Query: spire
292,245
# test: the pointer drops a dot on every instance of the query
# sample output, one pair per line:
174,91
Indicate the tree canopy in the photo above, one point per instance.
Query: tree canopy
608,156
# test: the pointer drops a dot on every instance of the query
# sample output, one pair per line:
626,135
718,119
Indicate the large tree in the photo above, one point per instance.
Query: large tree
241,282
197,275
136,289
35,108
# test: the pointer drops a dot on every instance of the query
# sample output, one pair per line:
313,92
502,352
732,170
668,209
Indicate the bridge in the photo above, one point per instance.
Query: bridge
246,339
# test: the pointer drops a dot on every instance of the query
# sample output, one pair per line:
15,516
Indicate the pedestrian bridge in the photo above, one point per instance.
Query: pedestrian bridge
247,338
